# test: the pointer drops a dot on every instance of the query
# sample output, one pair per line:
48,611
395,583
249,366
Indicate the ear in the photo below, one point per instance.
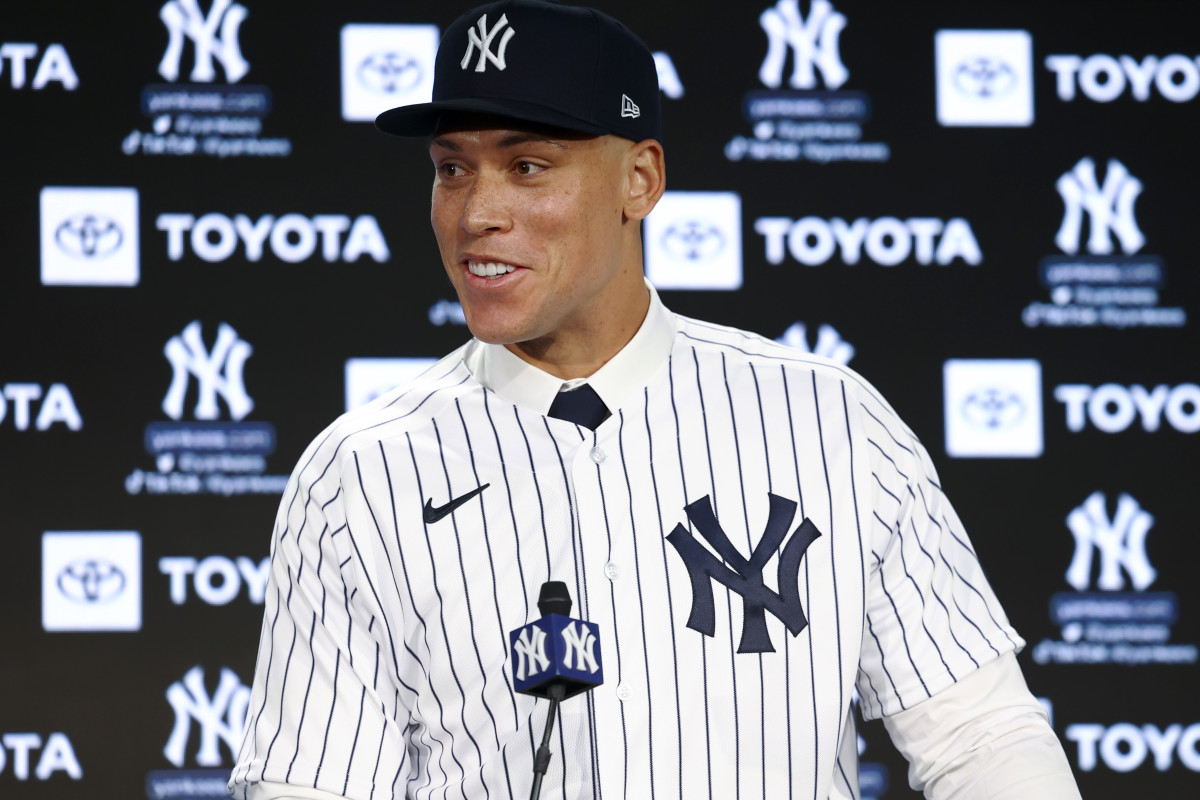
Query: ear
647,176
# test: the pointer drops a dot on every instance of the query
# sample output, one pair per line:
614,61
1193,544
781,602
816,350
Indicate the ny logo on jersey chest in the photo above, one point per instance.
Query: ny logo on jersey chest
745,576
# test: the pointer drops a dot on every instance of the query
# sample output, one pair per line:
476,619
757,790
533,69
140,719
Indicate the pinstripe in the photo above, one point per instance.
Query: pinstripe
337,667
874,691
446,636
512,509
667,579
568,492
379,752
920,594
787,402
886,430
267,673
304,707
895,691
885,489
424,625
949,627
837,611
492,570
762,681
891,460
362,699
712,482
612,596
466,594
903,631
703,643
846,780
862,571
962,613
286,669
637,570
538,489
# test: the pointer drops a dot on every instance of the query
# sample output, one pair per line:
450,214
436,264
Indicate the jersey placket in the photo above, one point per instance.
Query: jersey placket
605,553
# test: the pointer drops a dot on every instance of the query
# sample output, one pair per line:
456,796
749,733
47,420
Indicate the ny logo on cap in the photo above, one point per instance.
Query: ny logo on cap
483,40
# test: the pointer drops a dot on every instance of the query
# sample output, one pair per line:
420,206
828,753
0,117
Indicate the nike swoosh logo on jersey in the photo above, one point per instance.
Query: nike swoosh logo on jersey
432,514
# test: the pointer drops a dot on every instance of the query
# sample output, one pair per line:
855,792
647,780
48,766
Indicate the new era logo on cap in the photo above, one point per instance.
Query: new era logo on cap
629,108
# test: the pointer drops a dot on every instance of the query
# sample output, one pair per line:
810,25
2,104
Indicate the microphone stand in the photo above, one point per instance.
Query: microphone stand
541,761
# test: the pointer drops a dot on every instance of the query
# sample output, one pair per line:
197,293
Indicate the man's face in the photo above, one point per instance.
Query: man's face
529,225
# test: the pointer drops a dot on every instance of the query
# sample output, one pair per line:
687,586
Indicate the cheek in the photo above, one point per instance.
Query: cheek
578,220
442,218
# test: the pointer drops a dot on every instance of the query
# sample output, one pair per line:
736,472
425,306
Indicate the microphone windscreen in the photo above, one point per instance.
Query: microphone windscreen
554,599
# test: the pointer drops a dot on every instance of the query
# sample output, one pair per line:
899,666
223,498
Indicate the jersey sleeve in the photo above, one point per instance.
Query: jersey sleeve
325,711
931,616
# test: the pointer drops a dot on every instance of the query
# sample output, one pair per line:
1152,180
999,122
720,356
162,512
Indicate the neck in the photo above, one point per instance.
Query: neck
580,353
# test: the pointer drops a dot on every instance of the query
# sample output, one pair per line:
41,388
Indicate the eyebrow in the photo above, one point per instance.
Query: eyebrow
512,140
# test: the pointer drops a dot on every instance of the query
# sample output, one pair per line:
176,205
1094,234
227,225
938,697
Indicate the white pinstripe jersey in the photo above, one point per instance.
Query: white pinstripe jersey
383,667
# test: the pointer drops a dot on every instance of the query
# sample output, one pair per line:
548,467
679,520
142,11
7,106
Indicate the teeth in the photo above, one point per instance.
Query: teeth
489,269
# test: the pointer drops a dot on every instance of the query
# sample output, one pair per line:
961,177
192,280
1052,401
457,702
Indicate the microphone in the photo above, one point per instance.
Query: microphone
555,657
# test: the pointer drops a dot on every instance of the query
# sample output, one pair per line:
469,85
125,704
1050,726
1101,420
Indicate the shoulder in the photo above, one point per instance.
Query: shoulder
736,346
403,409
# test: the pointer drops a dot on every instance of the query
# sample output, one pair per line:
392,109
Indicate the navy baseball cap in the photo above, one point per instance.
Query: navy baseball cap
566,66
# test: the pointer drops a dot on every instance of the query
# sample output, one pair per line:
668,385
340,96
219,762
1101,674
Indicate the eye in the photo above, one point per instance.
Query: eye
450,170
528,168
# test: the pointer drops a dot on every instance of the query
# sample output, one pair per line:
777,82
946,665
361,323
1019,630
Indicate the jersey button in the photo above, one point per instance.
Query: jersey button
598,455
610,571
624,692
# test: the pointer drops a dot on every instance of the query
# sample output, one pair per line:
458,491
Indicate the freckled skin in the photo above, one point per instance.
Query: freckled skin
565,209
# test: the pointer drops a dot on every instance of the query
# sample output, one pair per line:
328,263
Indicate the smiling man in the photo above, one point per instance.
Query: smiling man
589,435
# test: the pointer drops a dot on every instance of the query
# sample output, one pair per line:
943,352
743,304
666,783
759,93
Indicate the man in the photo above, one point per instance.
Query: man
587,434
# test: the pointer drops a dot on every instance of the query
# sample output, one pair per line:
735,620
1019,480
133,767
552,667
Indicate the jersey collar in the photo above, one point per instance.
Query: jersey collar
625,373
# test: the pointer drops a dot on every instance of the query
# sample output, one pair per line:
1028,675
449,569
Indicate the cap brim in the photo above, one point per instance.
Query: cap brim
421,119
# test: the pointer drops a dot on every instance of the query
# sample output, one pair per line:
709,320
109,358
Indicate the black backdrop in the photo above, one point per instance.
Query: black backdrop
91,659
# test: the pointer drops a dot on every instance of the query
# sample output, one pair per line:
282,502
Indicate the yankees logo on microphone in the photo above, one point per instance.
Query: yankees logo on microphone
556,650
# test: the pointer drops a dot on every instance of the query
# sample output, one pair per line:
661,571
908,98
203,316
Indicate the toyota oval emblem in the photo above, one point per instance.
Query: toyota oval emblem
693,240
89,236
985,77
993,408
91,581
389,72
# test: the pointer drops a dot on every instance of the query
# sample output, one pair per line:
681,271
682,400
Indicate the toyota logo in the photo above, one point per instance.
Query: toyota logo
985,77
993,408
89,236
389,72
693,240
91,581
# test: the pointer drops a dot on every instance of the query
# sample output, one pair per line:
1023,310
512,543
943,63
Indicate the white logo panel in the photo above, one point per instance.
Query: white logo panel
984,78
993,408
368,378
91,581
385,66
693,240
89,236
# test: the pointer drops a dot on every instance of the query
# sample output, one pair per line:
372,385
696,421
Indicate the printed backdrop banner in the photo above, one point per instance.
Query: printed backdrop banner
988,209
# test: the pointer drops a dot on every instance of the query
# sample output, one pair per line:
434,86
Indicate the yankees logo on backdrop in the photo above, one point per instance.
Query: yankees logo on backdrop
746,575
483,40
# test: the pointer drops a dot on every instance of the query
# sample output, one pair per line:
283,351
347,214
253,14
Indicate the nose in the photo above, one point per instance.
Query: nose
487,206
